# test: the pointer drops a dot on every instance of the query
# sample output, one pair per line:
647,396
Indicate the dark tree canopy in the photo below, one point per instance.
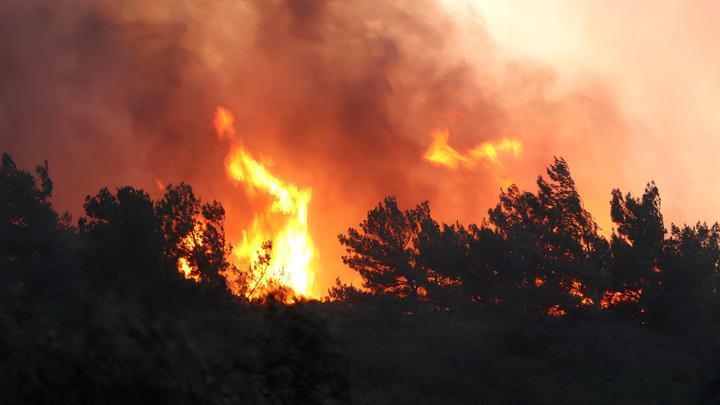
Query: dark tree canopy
121,236
99,314
637,246
684,293
542,252
127,233
194,232
553,236
32,236
385,252
132,305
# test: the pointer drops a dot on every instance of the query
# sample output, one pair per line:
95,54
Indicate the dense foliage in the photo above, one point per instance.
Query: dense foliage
533,305
542,253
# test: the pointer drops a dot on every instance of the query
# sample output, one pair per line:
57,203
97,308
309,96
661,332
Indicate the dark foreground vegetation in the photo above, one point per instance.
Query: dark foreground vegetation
530,306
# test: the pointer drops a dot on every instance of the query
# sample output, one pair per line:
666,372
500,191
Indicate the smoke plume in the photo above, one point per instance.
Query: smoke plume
339,96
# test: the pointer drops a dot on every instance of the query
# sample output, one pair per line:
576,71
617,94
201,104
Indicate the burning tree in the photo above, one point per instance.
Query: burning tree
284,222
129,236
194,235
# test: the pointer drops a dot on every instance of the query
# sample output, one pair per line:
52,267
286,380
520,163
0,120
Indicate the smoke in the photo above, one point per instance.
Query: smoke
339,96
662,62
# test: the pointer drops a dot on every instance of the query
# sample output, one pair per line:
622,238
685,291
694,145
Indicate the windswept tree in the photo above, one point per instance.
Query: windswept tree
570,230
636,247
639,222
554,235
384,250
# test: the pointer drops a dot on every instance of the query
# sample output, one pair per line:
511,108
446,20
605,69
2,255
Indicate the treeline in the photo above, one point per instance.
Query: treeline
542,253
131,304
97,312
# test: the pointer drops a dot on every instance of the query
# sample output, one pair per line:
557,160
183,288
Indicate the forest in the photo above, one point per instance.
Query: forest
531,305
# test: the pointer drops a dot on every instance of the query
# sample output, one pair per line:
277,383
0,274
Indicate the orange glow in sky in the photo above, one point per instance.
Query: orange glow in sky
345,98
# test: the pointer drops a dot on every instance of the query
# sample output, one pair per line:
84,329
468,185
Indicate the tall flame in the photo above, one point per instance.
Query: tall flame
442,154
284,222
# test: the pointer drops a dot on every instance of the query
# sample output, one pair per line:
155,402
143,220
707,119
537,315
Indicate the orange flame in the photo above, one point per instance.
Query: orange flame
489,151
616,297
224,123
442,154
284,222
576,290
187,270
190,241
556,311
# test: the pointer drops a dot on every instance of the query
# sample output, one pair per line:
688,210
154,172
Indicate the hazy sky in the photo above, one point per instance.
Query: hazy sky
660,60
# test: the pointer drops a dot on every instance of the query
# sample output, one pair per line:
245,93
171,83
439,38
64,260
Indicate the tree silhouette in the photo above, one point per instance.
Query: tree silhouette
194,232
685,293
555,237
637,247
129,328
128,235
443,251
121,237
32,248
384,251
462,261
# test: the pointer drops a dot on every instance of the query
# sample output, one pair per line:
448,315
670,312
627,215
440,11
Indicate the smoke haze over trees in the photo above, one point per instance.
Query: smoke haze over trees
383,210
128,89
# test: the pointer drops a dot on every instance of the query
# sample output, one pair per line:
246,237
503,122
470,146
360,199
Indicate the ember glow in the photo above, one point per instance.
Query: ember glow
284,222
187,270
185,267
616,297
576,290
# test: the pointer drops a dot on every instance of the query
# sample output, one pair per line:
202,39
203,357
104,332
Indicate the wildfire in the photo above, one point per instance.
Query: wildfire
187,270
576,290
442,154
617,297
284,222
193,239
224,123
556,311
490,151
609,298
